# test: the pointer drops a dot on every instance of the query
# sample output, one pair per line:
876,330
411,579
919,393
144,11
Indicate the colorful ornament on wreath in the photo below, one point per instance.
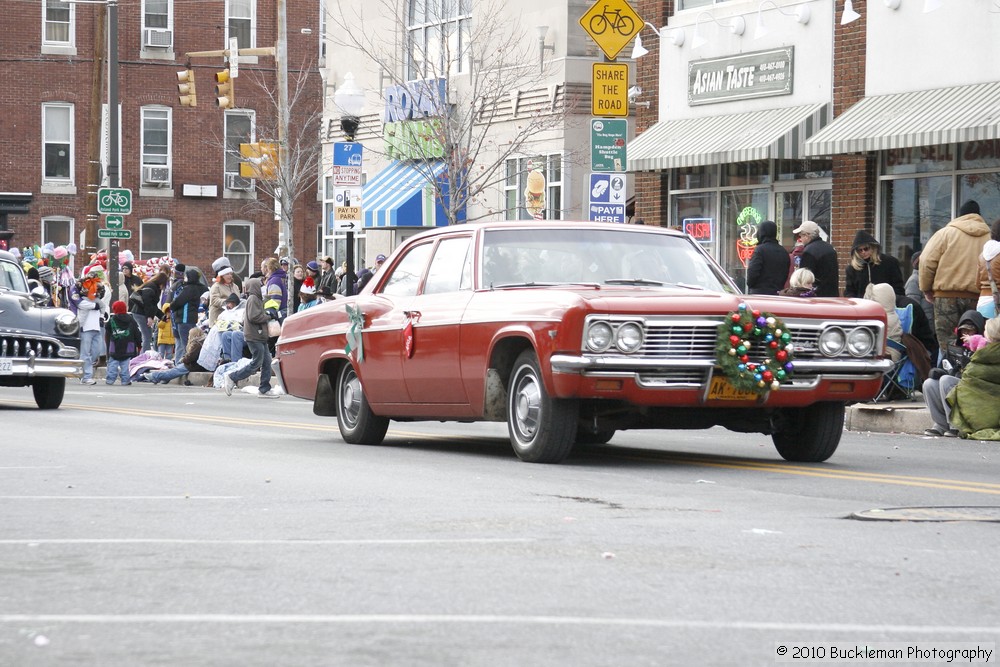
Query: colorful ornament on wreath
754,350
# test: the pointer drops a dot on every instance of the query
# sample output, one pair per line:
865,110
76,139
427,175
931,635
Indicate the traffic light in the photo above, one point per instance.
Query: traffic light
225,90
261,160
185,88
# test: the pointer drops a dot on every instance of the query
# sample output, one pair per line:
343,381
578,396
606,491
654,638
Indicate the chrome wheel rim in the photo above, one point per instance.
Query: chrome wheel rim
350,398
527,405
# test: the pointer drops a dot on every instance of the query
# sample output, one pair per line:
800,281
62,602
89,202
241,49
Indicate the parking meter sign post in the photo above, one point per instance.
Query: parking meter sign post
114,201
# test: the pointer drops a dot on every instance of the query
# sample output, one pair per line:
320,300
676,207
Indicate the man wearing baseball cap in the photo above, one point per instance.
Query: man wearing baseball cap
819,257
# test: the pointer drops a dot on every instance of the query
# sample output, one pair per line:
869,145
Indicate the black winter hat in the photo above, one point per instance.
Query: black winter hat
969,207
864,238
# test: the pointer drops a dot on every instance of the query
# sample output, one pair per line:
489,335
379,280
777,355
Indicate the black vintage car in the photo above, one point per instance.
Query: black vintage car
39,347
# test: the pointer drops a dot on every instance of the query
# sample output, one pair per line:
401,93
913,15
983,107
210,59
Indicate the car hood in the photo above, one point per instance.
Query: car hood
18,311
629,300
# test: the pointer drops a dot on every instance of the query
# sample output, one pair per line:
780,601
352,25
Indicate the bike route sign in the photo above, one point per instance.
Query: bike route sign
115,201
612,24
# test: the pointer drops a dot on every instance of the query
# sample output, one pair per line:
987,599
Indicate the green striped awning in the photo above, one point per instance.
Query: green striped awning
917,118
741,137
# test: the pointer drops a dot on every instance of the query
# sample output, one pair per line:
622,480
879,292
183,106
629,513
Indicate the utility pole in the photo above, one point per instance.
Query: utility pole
114,169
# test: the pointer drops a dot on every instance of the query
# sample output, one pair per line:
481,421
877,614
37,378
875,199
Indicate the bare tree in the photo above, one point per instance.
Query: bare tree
472,76
299,159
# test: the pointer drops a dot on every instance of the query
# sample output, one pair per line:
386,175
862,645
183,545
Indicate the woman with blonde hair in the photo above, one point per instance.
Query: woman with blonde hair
801,283
870,266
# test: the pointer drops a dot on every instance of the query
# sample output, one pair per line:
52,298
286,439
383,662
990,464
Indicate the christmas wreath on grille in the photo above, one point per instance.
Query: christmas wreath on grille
741,337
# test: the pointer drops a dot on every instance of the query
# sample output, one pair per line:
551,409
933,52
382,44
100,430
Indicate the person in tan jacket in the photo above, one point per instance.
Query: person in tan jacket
948,275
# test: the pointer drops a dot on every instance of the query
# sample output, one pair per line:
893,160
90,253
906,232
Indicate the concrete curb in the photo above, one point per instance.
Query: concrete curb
899,417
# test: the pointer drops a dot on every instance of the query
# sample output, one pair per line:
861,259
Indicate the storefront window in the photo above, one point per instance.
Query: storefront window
695,178
742,213
695,215
746,173
793,170
921,160
985,189
980,155
915,208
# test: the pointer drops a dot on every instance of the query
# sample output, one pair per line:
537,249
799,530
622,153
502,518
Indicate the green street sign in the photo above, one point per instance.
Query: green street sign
114,200
114,233
607,144
114,222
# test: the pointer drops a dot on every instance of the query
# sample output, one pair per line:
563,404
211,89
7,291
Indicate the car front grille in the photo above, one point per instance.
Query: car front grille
12,345
697,341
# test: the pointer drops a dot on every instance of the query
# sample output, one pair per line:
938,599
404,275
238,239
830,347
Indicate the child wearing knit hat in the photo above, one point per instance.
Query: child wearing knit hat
124,340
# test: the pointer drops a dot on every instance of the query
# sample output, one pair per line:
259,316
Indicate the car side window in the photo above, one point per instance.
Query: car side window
405,277
450,269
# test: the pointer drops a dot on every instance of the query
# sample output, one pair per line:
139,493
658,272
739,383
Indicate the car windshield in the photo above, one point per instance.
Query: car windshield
12,277
525,257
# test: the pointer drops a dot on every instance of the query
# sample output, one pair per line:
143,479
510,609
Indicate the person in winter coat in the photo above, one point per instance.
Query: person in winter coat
948,270
989,259
255,333
767,270
165,340
223,287
91,312
327,285
975,410
882,294
124,339
275,282
184,310
819,257
144,304
869,265
912,290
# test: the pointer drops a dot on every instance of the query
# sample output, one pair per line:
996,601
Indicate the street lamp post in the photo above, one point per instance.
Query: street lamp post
350,99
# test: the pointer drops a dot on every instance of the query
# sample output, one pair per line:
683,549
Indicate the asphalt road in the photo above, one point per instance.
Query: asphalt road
176,526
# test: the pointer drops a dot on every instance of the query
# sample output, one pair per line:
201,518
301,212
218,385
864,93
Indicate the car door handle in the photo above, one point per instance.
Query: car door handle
412,314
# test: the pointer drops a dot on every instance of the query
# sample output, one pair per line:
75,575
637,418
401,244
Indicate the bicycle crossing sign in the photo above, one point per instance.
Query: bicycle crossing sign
612,24
114,200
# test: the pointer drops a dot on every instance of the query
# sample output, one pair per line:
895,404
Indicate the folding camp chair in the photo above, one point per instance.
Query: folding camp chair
899,382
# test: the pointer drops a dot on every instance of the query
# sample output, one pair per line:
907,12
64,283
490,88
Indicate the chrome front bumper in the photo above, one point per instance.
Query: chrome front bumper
578,364
32,366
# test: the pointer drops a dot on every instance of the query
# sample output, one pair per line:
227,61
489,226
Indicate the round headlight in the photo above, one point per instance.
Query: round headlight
599,336
860,342
629,338
67,324
832,341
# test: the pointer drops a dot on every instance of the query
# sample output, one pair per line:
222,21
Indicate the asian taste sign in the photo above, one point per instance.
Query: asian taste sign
609,89
748,75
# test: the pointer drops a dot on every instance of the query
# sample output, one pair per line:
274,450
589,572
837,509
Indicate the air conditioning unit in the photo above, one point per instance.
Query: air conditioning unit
236,182
156,175
157,37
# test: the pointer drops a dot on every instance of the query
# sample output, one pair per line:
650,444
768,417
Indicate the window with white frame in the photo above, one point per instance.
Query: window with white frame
156,145
157,23
240,129
241,22
57,230
57,139
58,23
322,30
154,238
533,188
238,246
438,33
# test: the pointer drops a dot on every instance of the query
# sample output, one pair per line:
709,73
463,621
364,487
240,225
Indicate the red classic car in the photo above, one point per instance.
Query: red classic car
570,332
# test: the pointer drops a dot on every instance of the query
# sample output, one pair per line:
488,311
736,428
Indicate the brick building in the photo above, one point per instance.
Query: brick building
180,162
839,120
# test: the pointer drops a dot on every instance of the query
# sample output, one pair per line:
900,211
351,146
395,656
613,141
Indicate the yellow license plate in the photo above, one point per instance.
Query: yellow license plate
722,390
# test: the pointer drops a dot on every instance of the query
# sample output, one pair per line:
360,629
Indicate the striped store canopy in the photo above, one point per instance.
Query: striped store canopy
908,120
754,135
401,195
